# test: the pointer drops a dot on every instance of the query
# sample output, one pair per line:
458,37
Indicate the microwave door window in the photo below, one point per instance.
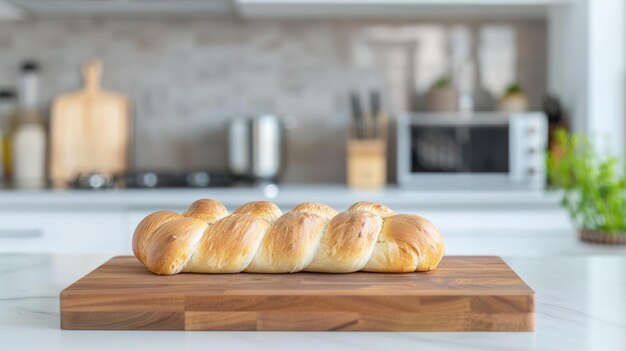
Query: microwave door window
489,150
459,149
437,150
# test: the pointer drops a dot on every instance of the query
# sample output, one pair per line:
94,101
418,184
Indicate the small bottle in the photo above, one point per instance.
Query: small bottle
29,140
7,125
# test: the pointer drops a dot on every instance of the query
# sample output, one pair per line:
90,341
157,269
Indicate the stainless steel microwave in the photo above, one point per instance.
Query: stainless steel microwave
477,150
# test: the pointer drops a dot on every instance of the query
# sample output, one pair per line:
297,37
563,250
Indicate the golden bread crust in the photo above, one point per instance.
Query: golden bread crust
407,243
146,228
317,208
262,209
373,207
348,243
229,245
313,237
172,245
207,210
290,244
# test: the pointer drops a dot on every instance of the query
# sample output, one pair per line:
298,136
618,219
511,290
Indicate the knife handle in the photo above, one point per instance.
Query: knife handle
357,115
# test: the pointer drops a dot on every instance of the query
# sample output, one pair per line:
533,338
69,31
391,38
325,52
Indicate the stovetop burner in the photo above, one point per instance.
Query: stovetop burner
155,179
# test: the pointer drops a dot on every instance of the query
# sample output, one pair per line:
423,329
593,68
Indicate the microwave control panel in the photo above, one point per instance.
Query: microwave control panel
528,134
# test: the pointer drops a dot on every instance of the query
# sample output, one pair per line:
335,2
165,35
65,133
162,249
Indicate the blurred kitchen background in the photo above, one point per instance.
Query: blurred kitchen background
111,109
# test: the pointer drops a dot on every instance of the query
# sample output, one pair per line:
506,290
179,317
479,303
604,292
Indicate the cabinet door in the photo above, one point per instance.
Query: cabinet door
503,231
470,219
61,231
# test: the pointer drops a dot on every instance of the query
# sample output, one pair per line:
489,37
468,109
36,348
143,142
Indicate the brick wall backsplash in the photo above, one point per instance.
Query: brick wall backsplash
186,77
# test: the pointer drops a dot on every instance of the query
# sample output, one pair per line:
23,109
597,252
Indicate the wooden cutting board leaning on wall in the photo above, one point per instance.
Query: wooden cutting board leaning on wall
89,131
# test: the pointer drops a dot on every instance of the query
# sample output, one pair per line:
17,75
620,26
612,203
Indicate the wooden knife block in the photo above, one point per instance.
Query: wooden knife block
367,163
367,159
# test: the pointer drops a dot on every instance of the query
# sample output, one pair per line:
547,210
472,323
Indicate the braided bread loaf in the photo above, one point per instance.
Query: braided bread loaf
312,237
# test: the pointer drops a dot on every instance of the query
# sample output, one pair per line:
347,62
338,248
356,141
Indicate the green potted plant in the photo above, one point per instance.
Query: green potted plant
514,99
442,96
594,189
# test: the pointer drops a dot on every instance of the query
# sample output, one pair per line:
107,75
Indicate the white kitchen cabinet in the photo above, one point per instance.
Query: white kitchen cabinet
494,219
103,222
416,9
63,8
467,231
61,231
9,11
459,219
486,231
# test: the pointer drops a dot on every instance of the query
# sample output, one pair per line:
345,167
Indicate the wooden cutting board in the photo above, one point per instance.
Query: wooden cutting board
89,131
465,293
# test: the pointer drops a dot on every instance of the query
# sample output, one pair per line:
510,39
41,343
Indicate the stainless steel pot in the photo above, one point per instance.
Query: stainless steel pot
256,147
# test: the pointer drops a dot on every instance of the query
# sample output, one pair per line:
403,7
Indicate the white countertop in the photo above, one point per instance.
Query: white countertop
581,305
287,196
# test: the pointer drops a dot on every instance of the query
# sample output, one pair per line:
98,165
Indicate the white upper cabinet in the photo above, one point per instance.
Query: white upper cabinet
9,11
426,9
420,9
125,7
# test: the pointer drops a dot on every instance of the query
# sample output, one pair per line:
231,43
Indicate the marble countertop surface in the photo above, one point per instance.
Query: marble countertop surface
287,196
581,305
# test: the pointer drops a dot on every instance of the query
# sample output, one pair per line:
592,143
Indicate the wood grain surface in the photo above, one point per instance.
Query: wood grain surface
465,293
